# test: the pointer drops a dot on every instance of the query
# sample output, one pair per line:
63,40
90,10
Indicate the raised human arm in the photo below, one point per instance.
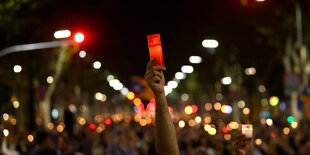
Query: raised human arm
165,138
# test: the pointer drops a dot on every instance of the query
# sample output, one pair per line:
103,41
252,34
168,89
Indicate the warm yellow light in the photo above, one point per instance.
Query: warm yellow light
227,137
210,43
148,120
137,118
49,79
60,128
30,138
130,95
217,106
208,106
294,125
226,80
263,121
13,121
198,119
181,124
15,104
50,126
207,119
6,132
207,127
82,121
5,116
212,131
188,110
191,123
137,101
246,111
258,141
233,125
100,128
286,130
269,122
143,122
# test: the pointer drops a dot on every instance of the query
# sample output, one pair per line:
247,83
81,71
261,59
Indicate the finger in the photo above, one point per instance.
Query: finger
158,68
151,63
155,80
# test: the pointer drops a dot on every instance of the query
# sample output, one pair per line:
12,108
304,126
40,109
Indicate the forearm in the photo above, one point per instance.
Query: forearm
166,141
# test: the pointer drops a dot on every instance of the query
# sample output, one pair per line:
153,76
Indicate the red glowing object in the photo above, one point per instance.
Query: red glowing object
225,130
170,109
195,108
79,37
107,121
152,100
155,49
92,126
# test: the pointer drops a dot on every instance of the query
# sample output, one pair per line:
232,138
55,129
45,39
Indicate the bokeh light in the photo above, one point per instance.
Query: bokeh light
188,110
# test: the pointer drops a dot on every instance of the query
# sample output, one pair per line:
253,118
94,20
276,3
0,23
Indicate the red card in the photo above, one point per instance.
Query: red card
155,49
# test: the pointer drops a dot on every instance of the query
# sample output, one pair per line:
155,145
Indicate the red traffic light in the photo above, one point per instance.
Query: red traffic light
79,37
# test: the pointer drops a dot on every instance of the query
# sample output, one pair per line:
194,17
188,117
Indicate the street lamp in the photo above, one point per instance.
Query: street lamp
62,34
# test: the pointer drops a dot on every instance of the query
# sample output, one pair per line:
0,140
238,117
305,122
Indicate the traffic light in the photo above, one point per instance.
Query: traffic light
79,37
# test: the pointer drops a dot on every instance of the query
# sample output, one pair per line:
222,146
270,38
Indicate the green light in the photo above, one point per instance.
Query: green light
290,119
274,100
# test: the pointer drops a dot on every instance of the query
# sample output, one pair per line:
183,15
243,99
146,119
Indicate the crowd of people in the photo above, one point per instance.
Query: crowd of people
161,137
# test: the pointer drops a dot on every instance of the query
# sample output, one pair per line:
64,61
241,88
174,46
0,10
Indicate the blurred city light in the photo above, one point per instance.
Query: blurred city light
50,126
184,97
260,0
226,109
110,77
181,124
82,54
217,106
130,95
124,91
72,108
30,138
261,88
195,108
137,101
187,69
264,101
17,68
191,123
246,111
6,132
226,80
172,84
81,120
269,122
5,116
207,127
79,37
208,106
168,90
294,125
62,34
212,131
195,59
55,114
198,119
241,104
188,110
227,137
92,126
250,71
107,121
210,43
274,100
286,130
207,119
60,128
49,79
258,141
180,75
100,97
290,119
266,114
97,64
219,97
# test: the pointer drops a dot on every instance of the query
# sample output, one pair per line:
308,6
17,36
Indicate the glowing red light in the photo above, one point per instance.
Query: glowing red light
225,130
92,126
152,100
107,121
195,108
79,37
170,109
